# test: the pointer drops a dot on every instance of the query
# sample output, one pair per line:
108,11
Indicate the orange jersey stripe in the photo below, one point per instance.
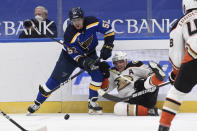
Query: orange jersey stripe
187,57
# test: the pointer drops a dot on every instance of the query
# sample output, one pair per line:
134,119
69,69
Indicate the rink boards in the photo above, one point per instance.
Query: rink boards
25,65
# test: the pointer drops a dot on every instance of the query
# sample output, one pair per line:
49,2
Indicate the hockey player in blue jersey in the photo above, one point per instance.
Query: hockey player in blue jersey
81,37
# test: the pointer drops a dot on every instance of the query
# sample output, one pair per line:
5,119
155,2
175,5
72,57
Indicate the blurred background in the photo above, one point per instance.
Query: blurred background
130,18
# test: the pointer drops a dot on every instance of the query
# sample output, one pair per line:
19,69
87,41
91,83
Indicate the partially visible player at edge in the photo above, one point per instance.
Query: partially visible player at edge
81,36
183,57
140,77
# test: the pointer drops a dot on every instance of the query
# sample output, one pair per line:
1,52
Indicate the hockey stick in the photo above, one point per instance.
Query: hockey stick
61,84
60,42
118,99
72,77
19,126
40,87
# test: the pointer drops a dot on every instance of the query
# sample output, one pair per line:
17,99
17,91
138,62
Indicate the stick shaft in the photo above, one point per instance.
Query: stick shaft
41,89
59,42
11,120
118,99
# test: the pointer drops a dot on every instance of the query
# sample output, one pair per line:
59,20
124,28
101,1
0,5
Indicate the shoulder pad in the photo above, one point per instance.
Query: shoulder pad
69,33
134,64
90,19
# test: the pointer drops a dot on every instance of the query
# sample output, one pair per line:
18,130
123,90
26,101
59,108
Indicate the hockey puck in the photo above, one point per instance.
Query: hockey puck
66,117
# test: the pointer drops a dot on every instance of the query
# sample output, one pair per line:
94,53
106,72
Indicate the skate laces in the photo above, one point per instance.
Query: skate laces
94,104
35,107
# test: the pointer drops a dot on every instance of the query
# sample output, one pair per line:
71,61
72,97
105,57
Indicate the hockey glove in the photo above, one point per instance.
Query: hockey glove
172,78
104,67
106,51
88,64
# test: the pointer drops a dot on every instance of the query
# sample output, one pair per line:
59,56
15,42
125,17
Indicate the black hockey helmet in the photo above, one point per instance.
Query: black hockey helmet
75,13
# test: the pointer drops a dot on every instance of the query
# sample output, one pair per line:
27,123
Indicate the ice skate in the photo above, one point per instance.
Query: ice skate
157,70
94,107
163,128
32,108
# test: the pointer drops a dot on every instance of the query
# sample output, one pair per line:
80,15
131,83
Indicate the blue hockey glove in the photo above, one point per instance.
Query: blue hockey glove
106,51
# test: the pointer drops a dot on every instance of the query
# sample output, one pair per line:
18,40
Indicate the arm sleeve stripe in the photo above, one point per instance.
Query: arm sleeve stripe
110,34
175,67
191,51
92,25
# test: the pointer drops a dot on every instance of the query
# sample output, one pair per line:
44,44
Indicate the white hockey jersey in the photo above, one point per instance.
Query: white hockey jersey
184,29
133,72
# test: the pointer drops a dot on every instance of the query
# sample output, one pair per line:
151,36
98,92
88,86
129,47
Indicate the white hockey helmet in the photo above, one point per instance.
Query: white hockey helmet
119,56
188,4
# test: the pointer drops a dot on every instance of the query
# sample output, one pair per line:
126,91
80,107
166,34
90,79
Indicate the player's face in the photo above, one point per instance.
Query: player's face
78,23
120,65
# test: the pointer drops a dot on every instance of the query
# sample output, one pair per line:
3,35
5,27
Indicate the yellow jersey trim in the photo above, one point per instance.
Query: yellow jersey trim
95,88
110,34
92,25
75,37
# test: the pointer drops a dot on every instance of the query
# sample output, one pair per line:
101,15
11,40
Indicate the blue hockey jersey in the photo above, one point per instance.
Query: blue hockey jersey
84,41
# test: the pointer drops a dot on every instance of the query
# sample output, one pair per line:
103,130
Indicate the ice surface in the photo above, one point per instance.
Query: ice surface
105,122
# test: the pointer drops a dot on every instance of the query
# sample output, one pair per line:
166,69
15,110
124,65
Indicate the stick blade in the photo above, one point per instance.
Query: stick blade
114,98
41,129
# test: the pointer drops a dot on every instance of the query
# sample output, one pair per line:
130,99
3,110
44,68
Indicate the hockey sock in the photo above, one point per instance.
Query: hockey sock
126,109
40,98
169,111
93,91
94,86
141,110
155,81
152,81
50,85
171,106
166,118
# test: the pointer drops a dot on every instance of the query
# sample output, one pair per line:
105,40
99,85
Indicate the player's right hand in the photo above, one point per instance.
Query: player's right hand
89,64
106,51
104,67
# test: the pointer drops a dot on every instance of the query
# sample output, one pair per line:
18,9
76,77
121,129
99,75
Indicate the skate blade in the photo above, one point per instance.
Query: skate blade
29,114
155,66
93,112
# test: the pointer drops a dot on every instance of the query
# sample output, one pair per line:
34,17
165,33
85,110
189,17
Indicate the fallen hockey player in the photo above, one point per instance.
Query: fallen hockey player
136,76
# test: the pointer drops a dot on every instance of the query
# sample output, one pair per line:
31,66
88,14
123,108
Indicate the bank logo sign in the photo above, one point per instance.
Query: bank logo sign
122,27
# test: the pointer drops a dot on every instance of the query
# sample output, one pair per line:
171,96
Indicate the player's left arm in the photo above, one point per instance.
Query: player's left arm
139,69
109,35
